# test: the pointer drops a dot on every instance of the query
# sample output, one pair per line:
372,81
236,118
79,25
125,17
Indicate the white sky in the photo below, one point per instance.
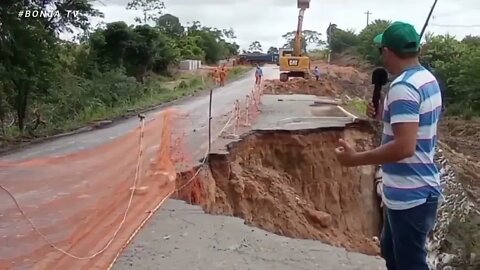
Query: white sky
267,20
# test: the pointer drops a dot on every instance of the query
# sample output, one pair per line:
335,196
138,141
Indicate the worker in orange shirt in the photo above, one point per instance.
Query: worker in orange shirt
223,75
214,75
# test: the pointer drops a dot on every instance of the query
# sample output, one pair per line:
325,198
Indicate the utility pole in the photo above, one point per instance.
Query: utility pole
368,13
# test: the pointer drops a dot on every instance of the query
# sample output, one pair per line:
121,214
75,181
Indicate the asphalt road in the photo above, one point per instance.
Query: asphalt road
181,236
196,122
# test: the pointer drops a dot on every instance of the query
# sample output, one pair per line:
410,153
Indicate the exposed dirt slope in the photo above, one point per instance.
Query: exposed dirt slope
335,81
302,86
462,135
290,184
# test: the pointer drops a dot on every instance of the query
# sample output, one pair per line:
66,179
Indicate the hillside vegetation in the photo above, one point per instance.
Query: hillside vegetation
456,62
49,85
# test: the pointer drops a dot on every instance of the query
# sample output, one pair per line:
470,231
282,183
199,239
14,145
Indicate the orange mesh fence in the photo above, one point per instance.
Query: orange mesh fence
78,201
82,205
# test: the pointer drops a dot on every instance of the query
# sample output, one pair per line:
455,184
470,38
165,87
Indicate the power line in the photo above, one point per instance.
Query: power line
455,12
456,25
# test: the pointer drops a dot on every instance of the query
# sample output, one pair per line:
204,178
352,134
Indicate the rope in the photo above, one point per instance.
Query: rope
107,245
120,226
205,157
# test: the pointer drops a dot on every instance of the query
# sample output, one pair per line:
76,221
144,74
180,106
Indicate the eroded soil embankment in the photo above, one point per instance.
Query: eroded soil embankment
290,183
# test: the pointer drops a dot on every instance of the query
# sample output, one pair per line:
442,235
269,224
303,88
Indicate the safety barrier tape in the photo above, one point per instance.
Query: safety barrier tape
255,98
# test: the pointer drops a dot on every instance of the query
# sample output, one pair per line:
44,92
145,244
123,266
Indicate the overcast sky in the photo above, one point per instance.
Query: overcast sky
267,20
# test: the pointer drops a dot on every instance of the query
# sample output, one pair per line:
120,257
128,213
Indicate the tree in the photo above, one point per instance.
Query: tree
255,46
273,50
309,37
170,25
229,33
339,40
56,84
446,55
151,9
233,48
147,49
367,48
138,50
212,41
471,40
189,48
28,48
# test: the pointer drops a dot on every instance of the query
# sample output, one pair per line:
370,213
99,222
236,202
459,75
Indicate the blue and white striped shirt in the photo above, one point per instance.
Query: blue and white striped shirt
414,96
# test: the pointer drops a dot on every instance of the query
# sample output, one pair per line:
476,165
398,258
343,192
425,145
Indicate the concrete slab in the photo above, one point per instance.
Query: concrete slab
291,112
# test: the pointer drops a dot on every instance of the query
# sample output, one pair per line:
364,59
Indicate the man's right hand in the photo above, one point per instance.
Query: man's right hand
371,111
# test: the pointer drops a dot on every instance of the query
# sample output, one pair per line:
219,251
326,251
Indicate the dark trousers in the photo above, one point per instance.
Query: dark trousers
404,236
258,79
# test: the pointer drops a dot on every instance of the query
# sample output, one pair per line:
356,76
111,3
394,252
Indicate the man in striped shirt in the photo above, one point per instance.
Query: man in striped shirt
411,182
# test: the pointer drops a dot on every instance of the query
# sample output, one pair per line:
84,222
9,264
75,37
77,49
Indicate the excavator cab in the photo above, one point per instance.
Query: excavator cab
303,4
292,62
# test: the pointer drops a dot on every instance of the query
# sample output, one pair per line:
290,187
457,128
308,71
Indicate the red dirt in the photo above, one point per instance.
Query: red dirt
302,86
462,135
335,81
461,144
311,198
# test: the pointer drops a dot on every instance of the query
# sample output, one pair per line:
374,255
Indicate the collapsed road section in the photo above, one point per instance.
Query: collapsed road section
283,176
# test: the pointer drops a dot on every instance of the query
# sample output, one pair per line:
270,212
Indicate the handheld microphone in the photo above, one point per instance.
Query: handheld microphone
379,79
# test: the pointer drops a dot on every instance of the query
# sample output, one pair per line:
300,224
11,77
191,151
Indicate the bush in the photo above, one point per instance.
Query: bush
455,62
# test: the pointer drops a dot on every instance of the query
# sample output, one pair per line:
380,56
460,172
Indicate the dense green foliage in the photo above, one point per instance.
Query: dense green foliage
455,62
309,37
48,84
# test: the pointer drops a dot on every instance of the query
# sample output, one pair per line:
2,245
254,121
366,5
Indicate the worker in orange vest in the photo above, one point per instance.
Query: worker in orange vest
223,75
214,75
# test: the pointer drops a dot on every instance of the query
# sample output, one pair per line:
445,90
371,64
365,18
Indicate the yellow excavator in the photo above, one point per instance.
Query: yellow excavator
292,63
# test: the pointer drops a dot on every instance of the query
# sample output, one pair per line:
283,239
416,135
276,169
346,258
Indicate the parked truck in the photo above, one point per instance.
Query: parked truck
258,58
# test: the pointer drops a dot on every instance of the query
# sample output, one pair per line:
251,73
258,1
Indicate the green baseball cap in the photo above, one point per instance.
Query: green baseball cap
400,37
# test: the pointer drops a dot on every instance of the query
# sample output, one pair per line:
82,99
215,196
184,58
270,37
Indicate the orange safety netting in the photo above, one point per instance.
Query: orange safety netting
82,205
79,200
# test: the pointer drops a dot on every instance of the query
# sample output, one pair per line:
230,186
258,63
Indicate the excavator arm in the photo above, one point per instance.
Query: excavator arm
293,63
302,5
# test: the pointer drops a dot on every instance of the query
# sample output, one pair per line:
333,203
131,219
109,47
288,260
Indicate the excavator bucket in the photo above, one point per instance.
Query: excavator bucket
303,4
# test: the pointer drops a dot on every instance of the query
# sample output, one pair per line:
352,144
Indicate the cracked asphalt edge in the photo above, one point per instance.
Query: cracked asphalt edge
181,236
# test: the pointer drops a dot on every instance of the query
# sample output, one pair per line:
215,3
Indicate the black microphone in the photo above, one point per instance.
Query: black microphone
379,79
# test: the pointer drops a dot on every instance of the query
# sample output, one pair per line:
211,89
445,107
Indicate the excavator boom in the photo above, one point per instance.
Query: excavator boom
297,50
302,5
292,63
